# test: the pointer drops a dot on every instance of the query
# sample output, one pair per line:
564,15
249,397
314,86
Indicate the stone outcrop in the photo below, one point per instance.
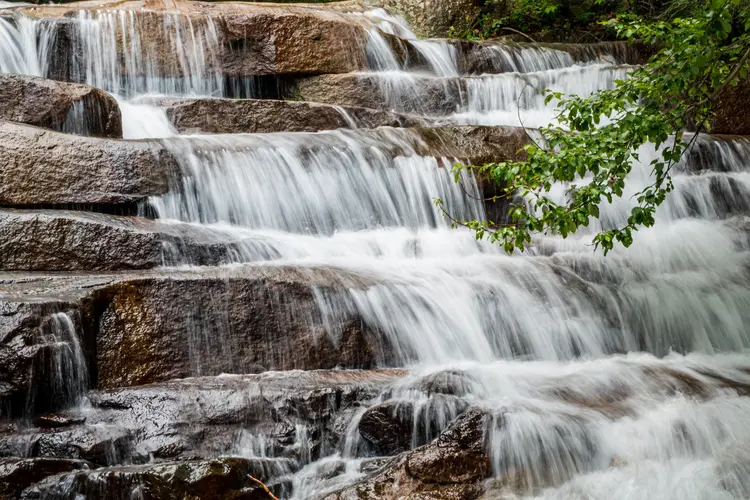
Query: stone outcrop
59,240
452,467
232,116
41,167
65,107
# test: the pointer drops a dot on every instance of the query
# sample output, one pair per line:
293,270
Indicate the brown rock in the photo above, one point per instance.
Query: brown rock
232,116
270,42
65,107
458,455
44,167
161,328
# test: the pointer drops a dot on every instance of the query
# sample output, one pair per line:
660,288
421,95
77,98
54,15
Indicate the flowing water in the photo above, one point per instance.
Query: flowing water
605,377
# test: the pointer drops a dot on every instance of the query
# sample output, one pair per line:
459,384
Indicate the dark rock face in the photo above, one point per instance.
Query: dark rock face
17,474
388,427
451,467
218,479
43,167
231,116
27,355
65,107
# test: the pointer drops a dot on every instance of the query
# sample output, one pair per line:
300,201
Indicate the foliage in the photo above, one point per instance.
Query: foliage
501,17
593,148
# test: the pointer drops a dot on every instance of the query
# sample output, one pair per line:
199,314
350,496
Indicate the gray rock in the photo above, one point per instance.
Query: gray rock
17,474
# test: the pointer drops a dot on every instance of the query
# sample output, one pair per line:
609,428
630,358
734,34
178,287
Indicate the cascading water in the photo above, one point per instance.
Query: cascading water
603,377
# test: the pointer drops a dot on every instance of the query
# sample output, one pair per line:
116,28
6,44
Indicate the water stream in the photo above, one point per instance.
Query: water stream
578,357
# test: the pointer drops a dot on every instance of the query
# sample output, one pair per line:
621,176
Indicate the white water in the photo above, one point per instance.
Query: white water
608,378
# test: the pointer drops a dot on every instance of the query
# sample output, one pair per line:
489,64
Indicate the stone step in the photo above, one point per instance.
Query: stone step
64,107
206,417
124,329
74,170
41,167
236,116
61,240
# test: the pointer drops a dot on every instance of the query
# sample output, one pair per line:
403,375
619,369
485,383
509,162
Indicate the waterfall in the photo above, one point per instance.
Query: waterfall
65,361
601,377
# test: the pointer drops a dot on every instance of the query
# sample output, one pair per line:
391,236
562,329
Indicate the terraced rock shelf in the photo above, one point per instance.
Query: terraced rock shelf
220,259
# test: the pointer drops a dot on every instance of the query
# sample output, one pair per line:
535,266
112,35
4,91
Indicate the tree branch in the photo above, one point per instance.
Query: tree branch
262,485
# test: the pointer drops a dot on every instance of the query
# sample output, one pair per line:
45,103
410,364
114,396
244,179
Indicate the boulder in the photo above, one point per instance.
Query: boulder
65,107
100,444
436,18
17,474
60,240
388,427
41,167
233,116
272,41
454,466
405,93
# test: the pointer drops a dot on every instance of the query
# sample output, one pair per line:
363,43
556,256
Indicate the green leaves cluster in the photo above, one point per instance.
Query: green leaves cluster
593,148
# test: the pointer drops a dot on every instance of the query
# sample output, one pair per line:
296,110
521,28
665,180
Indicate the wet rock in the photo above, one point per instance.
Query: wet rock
435,18
452,467
59,240
423,95
17,474
458,455
44,167
388,427
231,116
28,377
99,444
159,329
56,420
217,479
64,107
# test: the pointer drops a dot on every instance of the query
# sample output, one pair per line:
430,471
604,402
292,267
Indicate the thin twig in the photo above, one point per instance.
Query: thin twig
263,485
521,33
728,80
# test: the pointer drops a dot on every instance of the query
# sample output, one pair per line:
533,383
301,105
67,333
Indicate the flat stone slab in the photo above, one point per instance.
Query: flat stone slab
233,116
44,167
